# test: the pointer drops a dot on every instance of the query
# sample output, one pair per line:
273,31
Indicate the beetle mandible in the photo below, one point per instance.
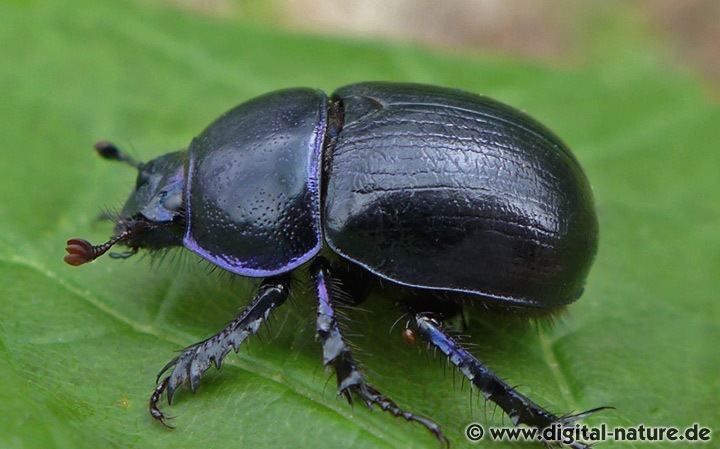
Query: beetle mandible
441,192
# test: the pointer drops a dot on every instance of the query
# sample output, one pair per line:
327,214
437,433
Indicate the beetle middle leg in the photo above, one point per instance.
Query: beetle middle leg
520,408
196,359
337,353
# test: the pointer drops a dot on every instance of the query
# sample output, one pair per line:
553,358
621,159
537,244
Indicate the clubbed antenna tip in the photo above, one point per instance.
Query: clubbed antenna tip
108,150
80,251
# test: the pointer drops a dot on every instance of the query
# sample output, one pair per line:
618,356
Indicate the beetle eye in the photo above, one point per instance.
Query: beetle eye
173,202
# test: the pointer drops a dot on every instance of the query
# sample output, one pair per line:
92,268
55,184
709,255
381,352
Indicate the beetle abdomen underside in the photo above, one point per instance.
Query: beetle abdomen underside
443,189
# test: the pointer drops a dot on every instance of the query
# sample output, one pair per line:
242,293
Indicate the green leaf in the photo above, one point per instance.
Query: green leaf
80,348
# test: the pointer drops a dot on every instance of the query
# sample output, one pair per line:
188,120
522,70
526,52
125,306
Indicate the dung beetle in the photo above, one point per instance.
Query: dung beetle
450,198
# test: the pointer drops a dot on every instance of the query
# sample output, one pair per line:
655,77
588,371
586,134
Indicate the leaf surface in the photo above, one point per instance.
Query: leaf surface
80,348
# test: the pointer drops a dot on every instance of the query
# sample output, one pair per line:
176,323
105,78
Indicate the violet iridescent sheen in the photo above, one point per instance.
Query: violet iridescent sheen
253,196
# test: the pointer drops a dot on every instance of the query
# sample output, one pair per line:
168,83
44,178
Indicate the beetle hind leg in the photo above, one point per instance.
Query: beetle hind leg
520,408
337,353
194,360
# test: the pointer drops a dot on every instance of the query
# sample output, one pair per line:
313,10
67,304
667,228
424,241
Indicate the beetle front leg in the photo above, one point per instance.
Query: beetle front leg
196,359
520,408
337,353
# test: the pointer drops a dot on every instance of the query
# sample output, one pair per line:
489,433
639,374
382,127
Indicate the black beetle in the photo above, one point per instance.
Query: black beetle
453,197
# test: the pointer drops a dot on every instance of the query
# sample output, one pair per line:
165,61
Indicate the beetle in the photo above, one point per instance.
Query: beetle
452,198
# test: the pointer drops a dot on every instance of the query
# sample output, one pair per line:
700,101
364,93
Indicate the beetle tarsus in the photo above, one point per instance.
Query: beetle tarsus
194,360
571,418
155,409
520,408
373,397
337,353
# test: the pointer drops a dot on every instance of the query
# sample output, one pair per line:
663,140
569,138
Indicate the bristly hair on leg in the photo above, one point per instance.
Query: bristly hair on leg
338,354
518,407
194,360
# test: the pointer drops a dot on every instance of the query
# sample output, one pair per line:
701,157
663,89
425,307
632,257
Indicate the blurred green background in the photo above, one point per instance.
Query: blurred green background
632,87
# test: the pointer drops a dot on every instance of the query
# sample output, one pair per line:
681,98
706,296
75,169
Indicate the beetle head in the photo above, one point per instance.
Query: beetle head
153,216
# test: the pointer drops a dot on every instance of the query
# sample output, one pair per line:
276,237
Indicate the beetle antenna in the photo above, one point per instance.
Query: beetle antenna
108,150
80,251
